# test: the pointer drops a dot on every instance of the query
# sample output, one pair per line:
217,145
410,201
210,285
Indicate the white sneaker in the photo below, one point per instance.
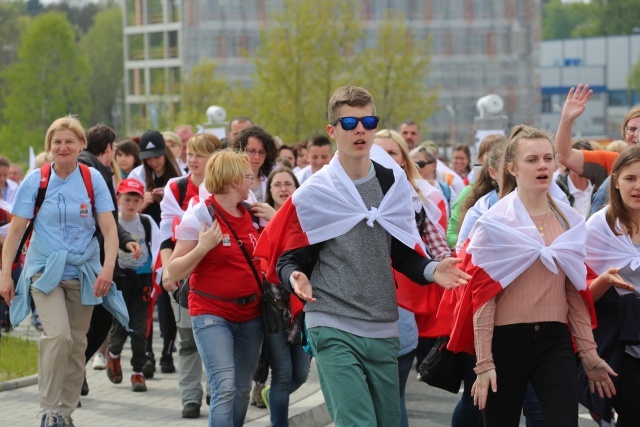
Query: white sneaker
99,362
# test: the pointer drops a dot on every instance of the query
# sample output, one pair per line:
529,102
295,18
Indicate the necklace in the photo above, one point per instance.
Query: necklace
541,229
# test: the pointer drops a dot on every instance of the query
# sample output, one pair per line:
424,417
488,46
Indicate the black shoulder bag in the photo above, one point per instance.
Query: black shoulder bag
271,321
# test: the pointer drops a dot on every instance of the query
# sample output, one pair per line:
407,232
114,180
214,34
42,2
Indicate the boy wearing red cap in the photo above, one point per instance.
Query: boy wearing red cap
135,283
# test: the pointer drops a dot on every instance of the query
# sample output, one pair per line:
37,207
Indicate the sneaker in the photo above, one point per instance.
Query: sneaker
51,418
149,367
265,395
138,383
256,396
85,387
166,364
191,410
66,422
114,370
99,362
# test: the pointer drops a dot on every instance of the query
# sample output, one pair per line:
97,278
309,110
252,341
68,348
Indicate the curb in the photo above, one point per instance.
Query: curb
308,412
19,383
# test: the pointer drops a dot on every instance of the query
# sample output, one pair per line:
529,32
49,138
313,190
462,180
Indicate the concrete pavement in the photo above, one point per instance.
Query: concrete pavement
115,404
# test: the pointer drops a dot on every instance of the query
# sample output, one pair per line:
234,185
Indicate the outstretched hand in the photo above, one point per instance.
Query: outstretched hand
302,287
448,275
576,102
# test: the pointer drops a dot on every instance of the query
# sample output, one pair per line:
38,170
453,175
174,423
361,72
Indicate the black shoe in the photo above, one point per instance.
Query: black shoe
208,399
79,404
85,387
191,410
166,364
149,367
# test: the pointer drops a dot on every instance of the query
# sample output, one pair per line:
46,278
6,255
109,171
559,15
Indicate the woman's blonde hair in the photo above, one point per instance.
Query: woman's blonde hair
69,122
203,144
224,168
172,139
410,167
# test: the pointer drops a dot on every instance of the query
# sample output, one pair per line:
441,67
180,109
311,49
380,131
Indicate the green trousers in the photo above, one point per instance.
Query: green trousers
358,376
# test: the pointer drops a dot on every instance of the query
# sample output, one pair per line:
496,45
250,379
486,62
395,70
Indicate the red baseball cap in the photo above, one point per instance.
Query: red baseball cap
131,185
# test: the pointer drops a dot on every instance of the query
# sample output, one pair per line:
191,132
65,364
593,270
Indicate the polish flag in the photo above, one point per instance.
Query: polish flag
504,243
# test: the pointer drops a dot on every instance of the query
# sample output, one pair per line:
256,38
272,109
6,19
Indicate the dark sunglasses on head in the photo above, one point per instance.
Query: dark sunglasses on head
350,123
422,163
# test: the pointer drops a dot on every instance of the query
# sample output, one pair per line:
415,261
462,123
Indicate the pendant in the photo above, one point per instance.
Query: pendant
541,234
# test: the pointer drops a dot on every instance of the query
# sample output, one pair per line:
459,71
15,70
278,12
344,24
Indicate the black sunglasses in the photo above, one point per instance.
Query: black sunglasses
422,163
350,123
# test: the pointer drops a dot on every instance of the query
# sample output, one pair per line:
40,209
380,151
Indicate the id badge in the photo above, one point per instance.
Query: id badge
226,240
84,209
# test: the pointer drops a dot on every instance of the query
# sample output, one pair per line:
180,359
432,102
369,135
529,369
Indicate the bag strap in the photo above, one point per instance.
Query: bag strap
146,225
45,175
212,211
179,189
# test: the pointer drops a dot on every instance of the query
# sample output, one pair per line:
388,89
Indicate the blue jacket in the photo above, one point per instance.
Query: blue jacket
40,259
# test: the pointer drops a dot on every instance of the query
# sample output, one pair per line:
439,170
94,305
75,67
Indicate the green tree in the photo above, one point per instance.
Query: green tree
560,20
13,19
46,82
200,90
394,71
303,56
612,17
633,80
102,46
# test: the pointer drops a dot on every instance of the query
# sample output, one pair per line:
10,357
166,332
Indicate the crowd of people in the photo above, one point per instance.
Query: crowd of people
365,245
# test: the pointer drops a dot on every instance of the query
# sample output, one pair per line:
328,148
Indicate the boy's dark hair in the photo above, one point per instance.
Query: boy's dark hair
241,141
99,138
318,141
4,161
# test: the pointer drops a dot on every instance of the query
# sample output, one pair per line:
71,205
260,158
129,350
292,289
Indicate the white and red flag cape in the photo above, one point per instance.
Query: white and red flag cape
503,243
606,250
328,205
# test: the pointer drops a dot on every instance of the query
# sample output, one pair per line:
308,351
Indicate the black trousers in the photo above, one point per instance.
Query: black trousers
98,330
136,290
543,354
627,391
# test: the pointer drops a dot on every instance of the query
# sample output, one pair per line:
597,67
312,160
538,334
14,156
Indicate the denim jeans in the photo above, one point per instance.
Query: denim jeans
289,370
404,369
466,414
230,352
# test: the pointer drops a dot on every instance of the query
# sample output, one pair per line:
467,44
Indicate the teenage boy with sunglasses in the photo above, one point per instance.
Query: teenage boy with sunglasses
356,214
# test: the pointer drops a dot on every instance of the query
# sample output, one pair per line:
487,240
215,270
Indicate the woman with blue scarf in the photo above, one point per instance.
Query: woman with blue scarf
62,270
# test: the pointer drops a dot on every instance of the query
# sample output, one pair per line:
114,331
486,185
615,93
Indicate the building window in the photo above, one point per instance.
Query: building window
618,98
174,80
154,12
136,81
173,44
547,104
173,11
134,12
156,77
138,116
135,47
156,45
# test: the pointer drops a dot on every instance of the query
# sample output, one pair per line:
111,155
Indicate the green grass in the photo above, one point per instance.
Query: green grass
18,357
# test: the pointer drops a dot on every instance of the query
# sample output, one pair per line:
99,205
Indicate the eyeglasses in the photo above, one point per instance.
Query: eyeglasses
253,152
630,130
280,185
350,123
422,163
250,176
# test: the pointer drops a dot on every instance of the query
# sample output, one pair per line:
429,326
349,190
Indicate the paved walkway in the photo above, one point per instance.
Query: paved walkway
115,404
